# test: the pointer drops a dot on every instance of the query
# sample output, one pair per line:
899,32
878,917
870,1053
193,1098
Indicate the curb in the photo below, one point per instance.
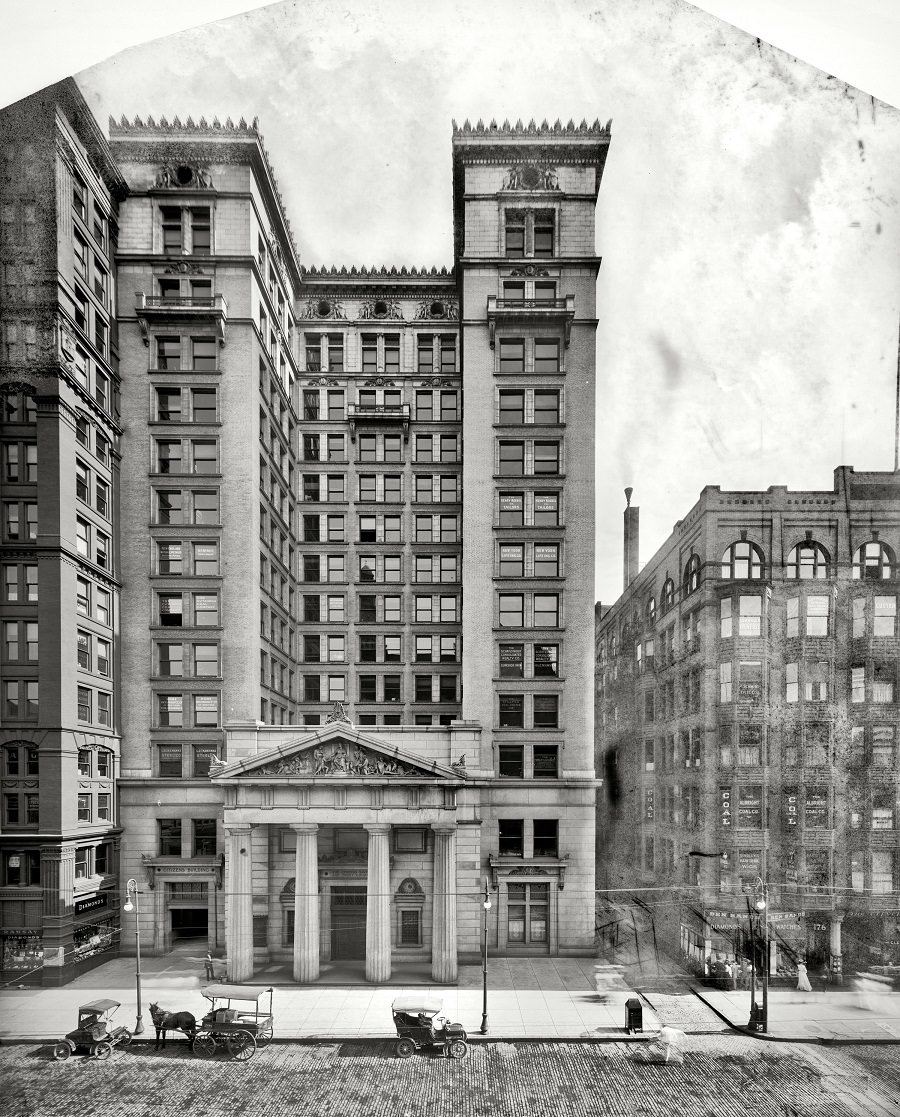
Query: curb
312,1039
823,1041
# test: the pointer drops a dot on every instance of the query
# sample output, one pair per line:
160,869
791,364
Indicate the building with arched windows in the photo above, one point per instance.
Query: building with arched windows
748,724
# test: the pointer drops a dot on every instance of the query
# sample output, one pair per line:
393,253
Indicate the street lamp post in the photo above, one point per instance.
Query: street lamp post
486,905
131,890
759,1016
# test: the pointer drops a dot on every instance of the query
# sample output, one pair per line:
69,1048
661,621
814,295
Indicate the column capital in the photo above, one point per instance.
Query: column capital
444,827
304,827
377,827
234,828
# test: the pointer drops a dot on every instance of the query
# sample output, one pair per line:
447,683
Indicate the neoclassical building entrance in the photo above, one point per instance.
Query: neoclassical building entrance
343,847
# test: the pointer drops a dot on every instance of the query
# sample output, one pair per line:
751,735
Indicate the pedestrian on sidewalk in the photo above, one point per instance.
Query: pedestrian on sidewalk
803,985
732,968
746,969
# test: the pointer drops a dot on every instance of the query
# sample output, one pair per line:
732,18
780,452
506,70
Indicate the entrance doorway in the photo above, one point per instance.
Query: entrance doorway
348,923
190,923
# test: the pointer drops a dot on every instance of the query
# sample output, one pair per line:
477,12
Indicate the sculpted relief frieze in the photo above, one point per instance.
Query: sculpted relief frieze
339,759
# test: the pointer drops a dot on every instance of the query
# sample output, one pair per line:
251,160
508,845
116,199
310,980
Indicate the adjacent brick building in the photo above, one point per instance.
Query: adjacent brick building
747,722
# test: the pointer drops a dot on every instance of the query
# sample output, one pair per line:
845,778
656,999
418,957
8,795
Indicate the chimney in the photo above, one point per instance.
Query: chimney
632,539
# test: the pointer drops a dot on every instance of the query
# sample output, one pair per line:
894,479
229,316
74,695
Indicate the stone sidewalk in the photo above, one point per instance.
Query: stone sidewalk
833,1016
534,999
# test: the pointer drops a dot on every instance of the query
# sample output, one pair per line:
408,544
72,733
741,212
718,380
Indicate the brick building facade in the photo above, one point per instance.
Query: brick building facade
747,722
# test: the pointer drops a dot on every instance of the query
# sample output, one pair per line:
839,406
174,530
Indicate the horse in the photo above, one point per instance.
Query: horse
173,1022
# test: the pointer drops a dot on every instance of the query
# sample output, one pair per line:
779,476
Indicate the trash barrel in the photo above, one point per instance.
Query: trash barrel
634,1015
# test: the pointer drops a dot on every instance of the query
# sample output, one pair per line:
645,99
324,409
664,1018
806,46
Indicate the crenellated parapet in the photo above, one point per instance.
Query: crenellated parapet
531,129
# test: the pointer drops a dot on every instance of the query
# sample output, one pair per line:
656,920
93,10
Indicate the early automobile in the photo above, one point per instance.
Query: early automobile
419,1025
238,1030
94,1035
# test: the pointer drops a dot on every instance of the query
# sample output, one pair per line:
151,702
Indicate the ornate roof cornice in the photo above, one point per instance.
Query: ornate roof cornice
519,130
384,272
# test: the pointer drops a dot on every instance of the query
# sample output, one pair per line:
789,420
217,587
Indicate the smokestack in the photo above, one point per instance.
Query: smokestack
632,539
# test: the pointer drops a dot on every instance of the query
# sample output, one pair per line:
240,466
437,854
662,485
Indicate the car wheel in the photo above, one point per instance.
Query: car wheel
241,1045
125,1038
102,1050
458,1049
405,1048
61,1052
265,1034
204,1047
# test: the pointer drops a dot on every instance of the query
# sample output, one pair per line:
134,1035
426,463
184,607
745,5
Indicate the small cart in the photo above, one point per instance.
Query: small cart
239,1030
419,1025
94,1034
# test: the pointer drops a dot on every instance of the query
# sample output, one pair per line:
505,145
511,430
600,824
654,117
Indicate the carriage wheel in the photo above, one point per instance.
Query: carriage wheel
241,1045
458,1049
61,1052
265,1034
125,1038
205,1046
405,1048
102,1050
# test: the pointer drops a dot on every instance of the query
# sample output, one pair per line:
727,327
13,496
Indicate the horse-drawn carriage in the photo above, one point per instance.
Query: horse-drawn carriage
419,1025
238,1030
94,1034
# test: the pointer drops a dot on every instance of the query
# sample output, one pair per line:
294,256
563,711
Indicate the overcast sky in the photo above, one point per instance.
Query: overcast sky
749,296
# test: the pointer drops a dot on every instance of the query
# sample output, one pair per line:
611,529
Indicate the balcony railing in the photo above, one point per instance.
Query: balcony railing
372,414
537,311
154,307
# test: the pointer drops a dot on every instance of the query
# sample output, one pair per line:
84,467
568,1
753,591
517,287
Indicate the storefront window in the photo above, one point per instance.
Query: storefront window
22,952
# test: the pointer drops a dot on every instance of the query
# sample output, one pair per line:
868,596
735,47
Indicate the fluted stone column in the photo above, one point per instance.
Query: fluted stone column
443,933
239,892
306,902
378,905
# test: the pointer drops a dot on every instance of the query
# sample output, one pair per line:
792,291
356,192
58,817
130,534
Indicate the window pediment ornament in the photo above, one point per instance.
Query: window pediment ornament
529,269
323,308
183,176
531,176
182,267
379,308
438,308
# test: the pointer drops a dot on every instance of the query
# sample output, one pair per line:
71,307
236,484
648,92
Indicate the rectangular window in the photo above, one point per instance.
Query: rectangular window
546,355
884,619
512,711
546,407
511,761
512,510
546,761
512,560
546,458
512,408
883,683
515,234
546,660
512,610
859,617
510,837
546,509
750,622
816,681
546,711
546,610
857,684
170,837
543,235
546,560
750,807
817,616
168,353
512,661
546,837
724,682
204,837
512,354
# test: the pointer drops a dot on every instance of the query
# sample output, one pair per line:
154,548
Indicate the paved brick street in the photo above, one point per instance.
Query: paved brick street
721,1076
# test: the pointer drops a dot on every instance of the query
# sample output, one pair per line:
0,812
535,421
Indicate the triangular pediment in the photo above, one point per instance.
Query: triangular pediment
339,750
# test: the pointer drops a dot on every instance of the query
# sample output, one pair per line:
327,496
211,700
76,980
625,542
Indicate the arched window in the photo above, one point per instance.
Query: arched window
613,645
651,610
873,560
668,594
691,578
743,560
808,560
